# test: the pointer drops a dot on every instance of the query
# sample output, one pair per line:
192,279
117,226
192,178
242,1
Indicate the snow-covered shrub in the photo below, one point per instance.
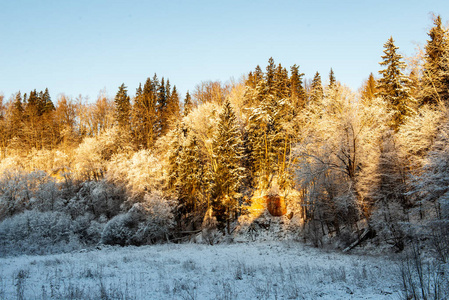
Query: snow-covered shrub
144,223
98,198
35,232
47,196
88,229
20,191
159,217
141,173
121,229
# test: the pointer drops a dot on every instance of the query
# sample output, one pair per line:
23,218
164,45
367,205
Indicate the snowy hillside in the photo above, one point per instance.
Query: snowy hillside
272,270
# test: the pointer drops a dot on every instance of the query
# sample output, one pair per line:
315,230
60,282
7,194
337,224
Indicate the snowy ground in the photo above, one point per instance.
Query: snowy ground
274,270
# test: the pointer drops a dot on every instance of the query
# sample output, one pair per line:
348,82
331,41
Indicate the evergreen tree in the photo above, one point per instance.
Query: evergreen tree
435,81
167,90
32,103
144,112
332,81
17,116
32,123
227,161
258,74
188,105
281,89
316,89
173,110
161,109
122,108
191,175
270,77
178,136
47,103
369,90
297,92
267,138
394,85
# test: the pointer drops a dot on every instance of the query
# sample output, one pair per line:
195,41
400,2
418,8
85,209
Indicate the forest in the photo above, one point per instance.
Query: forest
340,167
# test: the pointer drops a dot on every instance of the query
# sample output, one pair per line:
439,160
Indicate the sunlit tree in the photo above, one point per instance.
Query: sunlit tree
394,86
227,174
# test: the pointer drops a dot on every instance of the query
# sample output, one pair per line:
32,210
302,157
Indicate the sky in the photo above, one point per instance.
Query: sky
91,47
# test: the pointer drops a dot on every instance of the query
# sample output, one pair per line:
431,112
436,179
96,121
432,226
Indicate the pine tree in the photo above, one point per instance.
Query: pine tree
47,103
258,74
177,138
32,103
270,77
369,90
17,117
394,85
227,161
191,175
167,90
267,138
188,105
281,82
144,112
122,108
297,92
161,109
173,110
32,122
136,117
332,80
435,81
316,89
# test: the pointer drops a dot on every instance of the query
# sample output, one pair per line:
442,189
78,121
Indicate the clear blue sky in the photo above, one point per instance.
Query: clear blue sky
81,47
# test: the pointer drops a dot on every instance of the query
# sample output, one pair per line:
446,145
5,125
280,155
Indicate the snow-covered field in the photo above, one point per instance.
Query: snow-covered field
271,270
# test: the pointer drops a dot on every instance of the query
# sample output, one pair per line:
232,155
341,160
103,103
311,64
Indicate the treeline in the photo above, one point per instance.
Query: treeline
34,122
144,168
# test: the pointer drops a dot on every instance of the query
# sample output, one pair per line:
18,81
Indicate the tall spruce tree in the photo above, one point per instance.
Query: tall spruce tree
143,112
228,172
47,103
316,90
394,85
369,88
332,80
297,93
16,124
173,110
270,77
177,138
258,73
161,108
266,137
188,105
435,80
191,175
32,129
281,83
122,108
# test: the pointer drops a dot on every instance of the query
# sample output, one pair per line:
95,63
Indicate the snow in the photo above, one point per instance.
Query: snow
262,270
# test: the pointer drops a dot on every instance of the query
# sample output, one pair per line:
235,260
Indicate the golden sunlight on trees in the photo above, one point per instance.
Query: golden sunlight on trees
322,162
